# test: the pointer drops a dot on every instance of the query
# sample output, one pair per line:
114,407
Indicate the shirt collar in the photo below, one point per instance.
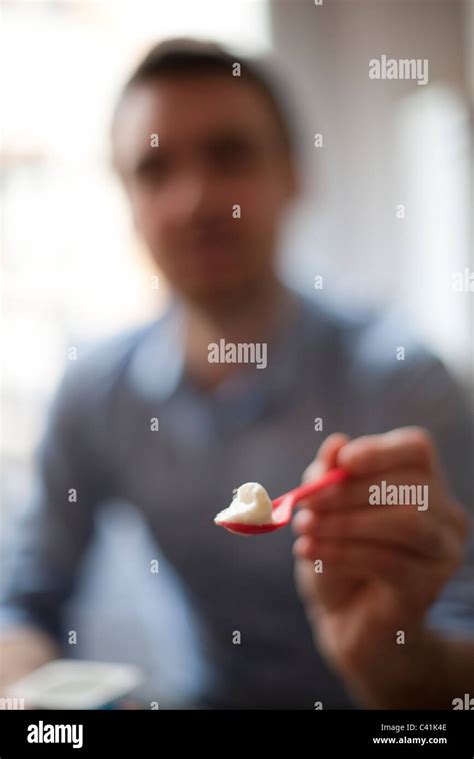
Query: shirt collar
157,366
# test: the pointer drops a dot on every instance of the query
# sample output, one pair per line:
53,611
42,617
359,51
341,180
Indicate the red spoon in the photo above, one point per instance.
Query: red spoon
283,505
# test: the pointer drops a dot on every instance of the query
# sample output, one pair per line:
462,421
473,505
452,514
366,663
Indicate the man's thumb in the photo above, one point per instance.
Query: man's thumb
326,457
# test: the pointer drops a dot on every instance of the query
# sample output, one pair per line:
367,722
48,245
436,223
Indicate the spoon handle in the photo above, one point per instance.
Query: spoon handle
310,488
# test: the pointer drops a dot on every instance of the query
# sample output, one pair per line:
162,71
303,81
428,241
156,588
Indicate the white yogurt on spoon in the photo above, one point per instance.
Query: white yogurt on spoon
251,505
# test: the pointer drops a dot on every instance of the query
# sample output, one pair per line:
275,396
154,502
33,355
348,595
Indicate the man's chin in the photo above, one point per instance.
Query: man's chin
218,294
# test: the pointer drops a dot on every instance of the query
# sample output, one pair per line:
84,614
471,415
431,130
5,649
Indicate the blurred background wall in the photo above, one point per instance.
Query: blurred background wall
72,268
386,144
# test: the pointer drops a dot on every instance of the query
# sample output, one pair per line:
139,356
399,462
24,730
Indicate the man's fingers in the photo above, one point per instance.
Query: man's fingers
404,447
332,593
330,448
326,457
363,558
399,527
413,487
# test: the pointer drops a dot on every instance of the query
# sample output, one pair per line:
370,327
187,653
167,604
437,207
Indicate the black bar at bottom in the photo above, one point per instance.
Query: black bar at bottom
142,733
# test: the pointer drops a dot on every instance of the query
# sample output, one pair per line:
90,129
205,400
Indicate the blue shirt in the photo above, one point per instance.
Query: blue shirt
128,424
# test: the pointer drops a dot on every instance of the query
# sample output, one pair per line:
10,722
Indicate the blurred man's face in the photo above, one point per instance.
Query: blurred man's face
210,199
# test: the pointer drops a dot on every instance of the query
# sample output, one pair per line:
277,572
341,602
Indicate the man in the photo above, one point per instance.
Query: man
382,613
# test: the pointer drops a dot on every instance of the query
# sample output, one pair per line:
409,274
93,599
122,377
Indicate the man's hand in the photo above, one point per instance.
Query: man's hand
368,573
23,649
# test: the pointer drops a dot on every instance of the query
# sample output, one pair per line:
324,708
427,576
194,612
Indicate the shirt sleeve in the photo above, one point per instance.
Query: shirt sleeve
51,537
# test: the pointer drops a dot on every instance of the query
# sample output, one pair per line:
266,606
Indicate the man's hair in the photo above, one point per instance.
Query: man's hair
186,56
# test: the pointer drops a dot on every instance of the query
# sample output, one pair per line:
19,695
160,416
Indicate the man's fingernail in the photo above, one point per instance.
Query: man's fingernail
299,548
303,520
313,472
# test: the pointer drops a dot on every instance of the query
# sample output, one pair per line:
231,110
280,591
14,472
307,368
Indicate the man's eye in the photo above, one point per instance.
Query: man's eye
234,157
151,171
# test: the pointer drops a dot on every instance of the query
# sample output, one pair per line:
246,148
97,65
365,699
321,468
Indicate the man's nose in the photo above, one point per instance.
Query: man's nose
194,195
